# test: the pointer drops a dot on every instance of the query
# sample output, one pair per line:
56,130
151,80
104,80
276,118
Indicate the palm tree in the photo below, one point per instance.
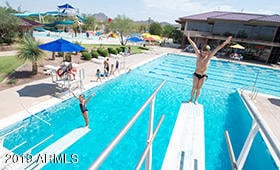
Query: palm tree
29,50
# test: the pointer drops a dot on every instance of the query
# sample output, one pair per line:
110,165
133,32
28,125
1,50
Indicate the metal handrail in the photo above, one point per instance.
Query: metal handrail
254,88
149,144
258,125
254,91
231,152
120,135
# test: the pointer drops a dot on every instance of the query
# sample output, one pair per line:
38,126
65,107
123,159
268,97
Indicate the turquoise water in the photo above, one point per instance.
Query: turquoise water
118,100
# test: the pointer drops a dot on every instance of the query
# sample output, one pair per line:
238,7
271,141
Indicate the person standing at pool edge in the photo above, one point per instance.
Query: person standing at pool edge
83,107
202,61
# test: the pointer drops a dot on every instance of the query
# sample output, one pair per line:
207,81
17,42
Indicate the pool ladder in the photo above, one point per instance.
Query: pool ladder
254,90
147,154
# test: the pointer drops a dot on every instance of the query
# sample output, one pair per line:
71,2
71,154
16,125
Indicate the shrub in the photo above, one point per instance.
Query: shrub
114,51
103,52
119,49
99,50
123,48
110,49
94,54
143,48
12,81
86,55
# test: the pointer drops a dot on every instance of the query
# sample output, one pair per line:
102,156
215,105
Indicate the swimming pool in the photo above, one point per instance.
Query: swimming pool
117,101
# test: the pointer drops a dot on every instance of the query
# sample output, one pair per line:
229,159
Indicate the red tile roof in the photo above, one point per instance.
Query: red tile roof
29,23
234,16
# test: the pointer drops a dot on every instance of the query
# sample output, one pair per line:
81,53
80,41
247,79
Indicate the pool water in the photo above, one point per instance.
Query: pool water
117,100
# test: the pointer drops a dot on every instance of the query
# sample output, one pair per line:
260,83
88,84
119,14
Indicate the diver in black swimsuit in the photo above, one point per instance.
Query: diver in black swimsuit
202,61
83,107
200,76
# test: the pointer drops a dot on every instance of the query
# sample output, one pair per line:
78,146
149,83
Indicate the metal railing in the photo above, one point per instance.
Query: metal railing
149,144
258,125
111,146
254,90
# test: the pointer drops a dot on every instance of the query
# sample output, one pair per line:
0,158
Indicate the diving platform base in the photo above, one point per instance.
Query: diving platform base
186,150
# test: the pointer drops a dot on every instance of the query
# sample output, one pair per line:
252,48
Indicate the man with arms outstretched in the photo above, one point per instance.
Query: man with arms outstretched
202,62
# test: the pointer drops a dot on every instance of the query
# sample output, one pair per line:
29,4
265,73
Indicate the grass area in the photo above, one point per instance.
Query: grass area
8,64
134,49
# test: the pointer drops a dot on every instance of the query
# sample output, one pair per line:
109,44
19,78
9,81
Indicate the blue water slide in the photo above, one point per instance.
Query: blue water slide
81,18
70,22
33,14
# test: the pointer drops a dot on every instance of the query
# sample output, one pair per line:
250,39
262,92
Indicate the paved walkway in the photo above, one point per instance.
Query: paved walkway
8,53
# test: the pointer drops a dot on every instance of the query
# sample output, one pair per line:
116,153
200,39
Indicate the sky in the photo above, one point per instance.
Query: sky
157,10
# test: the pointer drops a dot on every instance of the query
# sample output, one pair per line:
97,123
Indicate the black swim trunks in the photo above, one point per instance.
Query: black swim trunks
200,76
83,108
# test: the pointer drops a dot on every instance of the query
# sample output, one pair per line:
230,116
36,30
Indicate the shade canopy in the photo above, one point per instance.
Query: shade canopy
237,46
149,39
134,39
61,45
65,6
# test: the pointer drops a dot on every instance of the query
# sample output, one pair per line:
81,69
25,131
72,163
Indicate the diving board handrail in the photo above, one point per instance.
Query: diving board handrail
231,152
149,144
257,125
131,122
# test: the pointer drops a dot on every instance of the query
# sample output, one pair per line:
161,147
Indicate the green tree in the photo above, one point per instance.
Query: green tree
141,27
8,26
177,36
167,30
155,29
9,8
29,50
90,23
123,25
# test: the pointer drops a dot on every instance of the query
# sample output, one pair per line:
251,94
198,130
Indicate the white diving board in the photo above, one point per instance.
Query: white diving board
58,147
186,150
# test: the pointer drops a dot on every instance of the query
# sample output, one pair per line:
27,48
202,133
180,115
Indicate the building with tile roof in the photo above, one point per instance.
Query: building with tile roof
259,33
26,26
